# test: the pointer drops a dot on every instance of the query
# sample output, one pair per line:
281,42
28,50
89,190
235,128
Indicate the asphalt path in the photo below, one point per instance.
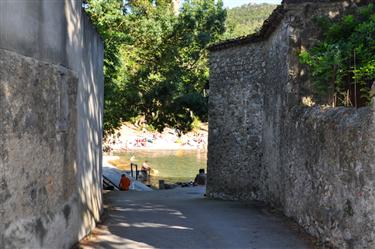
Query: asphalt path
183,218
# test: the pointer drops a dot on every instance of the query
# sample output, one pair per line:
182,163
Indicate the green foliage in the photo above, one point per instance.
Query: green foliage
155,60
246,19
344,59
197,124
111,24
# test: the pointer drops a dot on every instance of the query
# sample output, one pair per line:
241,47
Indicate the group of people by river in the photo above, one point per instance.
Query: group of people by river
125,182
130,138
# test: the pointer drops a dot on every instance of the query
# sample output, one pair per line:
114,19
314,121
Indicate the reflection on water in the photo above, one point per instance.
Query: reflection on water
172,166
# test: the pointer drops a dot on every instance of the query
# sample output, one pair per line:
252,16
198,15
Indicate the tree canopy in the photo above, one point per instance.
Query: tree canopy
342,64
156,62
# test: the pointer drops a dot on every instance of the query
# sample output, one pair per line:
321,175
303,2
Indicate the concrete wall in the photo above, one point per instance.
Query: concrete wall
316,164
51,105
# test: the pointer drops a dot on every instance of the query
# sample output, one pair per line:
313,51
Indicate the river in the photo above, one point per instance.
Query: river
172,166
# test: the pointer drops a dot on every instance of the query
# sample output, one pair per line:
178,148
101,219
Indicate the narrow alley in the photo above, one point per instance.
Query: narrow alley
184,218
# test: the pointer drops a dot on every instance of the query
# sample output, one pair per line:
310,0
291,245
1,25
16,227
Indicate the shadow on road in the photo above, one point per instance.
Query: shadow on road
183,218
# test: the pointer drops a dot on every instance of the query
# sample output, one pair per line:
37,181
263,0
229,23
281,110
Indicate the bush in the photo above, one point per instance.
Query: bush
342,64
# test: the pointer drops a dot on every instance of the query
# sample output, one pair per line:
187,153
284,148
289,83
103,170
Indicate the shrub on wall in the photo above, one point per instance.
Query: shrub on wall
342,64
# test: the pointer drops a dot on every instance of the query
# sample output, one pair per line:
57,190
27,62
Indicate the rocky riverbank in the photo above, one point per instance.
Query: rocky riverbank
132,137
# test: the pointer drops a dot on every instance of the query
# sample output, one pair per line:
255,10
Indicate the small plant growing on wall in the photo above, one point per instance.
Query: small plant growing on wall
342,64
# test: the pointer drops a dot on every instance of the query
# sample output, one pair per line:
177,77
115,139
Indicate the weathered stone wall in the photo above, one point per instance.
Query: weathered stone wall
235,121
328,159
38,150
316,164
51,104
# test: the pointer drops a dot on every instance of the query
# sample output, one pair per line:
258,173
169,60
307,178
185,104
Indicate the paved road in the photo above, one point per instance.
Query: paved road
183,218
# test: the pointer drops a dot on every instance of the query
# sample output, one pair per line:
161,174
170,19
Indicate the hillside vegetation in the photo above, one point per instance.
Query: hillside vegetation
246,19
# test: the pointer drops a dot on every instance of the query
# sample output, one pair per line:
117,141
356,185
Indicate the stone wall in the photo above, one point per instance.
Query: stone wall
329,174
315,164
51,104
235,120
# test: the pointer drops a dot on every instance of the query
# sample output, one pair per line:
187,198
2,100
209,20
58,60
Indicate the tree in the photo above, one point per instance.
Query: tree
155,61
113,26
342,64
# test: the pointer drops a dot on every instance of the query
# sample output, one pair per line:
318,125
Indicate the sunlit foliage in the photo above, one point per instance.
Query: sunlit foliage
342,64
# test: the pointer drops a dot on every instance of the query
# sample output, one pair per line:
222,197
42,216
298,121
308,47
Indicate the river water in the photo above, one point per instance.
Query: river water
171,166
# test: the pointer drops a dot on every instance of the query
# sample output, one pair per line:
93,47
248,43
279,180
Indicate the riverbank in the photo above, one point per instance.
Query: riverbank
171,166
132,137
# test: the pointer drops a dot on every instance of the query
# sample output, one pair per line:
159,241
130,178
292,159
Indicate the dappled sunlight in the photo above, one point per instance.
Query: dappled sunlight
308,101
133,207
154,220
114,241
130,221
170,211
153,225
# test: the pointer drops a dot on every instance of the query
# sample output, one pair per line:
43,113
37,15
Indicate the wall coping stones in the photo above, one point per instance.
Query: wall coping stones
271,23
266,30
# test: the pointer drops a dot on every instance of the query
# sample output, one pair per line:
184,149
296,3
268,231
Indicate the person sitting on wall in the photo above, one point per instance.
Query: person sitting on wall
146,169
124,183
201,178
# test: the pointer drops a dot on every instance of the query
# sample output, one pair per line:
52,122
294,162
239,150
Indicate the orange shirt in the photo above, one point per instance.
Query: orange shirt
124,183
